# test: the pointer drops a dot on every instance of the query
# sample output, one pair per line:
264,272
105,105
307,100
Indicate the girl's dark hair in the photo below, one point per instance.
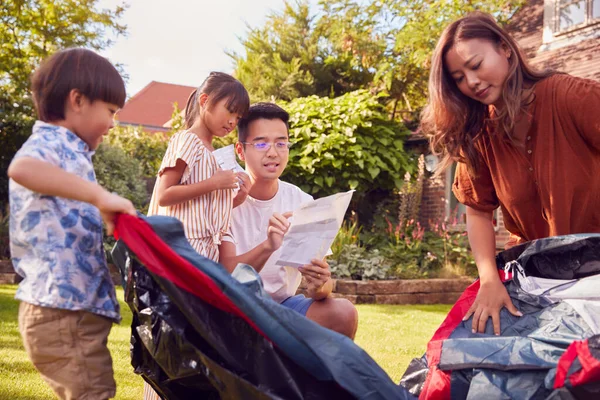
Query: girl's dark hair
91,74
218,86
453,121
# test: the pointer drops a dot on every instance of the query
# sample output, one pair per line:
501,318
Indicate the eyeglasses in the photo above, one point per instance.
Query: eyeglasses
265,146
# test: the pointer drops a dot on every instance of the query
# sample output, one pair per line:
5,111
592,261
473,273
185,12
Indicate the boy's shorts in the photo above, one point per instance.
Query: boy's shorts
298,303
69,350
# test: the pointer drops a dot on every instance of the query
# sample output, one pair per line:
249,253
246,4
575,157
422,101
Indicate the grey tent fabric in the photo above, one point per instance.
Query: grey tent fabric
554,283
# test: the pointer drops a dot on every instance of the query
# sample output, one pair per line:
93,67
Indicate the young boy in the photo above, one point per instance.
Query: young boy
68,301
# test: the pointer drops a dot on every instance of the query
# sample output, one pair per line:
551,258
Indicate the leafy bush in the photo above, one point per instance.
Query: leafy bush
347,235
416,253
119,173
452,246
408,251
147,148
345,143
355,262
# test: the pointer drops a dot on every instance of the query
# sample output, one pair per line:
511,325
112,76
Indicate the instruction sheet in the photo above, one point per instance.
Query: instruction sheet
313,229
226,159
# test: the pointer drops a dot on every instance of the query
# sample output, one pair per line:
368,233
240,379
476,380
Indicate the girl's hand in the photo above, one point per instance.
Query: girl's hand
245,185
109,205
492,296
224,179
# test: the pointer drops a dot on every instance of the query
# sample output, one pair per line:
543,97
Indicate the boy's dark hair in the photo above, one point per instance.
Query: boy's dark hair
218,86
261,111
91,74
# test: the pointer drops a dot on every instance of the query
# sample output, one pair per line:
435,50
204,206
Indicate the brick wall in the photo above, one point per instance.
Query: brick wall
433,201
581,58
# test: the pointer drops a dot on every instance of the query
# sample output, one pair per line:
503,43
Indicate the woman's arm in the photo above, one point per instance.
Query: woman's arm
482,239
492,295
258,256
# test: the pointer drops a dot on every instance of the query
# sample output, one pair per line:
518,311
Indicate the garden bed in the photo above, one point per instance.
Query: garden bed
401,291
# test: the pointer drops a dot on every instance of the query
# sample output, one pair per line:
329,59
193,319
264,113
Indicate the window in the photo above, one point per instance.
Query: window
571,14
567,22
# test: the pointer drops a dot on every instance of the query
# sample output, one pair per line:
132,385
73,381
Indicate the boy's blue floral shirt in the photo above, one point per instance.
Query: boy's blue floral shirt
56,243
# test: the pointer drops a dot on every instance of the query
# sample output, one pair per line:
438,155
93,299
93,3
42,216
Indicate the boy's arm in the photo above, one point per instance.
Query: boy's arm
45,178
171,192
258,256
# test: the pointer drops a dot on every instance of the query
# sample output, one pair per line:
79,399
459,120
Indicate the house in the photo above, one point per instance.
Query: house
558,34
152,107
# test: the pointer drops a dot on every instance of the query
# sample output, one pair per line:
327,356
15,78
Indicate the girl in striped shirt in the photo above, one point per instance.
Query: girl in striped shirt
190,185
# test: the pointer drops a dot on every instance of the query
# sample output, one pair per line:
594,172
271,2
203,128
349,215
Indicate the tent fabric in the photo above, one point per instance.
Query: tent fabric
550,352
198,332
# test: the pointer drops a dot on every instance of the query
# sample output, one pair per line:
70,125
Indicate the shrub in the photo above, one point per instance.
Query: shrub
347,142
147,148
355,262
119,173
347,235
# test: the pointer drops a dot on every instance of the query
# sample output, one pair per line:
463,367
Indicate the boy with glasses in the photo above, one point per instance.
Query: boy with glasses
264,146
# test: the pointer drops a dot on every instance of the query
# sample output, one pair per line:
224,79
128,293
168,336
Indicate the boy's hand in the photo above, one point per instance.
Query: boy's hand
317,274
224,179
109,205
278,227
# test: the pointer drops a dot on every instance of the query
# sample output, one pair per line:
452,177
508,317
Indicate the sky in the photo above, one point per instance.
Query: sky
181,41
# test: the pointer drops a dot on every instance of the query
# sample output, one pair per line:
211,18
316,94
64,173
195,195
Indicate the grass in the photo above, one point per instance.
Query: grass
20,380
392,335
395,334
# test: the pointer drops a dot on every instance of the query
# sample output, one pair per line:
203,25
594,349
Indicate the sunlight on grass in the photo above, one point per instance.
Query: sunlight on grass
395,334
392,335
20,380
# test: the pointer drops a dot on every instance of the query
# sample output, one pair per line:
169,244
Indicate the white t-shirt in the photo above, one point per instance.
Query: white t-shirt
249,227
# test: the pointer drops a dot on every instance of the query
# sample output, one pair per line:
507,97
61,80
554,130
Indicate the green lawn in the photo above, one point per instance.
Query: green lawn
392,335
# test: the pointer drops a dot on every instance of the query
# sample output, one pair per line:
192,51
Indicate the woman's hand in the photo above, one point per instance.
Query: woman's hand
492,296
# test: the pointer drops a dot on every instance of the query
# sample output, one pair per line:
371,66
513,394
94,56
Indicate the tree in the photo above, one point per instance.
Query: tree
383,45
291,57
30,30
405,34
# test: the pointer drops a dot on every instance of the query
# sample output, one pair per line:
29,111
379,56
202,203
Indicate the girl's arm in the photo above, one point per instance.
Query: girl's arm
45,178
492,295
171,192
245,186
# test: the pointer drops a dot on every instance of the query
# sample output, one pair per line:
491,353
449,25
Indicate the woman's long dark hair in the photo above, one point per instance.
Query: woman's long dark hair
454,122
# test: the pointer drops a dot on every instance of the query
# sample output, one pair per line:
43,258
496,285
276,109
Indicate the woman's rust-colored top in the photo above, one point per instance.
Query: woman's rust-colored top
551,185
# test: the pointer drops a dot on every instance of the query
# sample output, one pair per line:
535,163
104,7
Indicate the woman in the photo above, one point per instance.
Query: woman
525,141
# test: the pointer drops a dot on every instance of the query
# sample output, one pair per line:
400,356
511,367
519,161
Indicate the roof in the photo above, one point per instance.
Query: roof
152,106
